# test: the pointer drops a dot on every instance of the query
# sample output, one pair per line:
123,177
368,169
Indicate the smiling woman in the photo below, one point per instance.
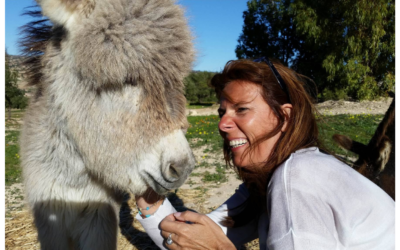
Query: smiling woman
246,117
277,116
293,195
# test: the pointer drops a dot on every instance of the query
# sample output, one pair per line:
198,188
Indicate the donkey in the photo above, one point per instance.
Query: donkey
377,159
108,115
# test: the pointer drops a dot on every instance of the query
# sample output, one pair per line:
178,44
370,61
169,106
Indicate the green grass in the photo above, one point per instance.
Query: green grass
203,130
199,105
219,176
15,113
360,128
12,163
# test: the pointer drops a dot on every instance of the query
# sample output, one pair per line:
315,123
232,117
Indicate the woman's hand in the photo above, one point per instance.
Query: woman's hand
200,233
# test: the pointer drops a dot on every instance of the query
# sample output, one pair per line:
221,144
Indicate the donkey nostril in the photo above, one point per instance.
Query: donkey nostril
173,172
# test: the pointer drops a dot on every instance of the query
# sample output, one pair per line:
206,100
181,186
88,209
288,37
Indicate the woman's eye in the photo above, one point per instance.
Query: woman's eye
242,109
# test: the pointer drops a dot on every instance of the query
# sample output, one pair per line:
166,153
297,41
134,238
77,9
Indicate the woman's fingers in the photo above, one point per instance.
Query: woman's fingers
171,225
173,243
165,234
200,233
189,217
182,223
170,217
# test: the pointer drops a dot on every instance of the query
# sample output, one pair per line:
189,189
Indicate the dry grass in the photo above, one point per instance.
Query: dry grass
20,232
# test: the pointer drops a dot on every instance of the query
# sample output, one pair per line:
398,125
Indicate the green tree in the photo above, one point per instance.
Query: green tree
268,30
197,88
361,62
190,90
14,96
346,47
19,102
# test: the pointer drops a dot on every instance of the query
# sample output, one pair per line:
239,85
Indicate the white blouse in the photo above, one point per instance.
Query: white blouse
314,201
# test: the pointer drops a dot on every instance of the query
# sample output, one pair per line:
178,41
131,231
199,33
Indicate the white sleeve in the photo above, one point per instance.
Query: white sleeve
239,235
151,224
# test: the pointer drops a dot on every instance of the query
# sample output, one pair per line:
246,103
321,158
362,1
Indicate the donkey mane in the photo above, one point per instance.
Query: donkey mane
35,36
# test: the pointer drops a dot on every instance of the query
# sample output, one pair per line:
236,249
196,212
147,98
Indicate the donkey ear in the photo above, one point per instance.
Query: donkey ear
63,12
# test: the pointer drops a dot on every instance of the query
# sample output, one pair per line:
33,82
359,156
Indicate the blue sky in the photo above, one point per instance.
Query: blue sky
216,25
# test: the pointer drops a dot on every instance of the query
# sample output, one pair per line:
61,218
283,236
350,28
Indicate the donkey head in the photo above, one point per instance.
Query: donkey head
113,83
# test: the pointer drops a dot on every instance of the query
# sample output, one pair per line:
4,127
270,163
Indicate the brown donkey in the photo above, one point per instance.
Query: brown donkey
108,115
377,159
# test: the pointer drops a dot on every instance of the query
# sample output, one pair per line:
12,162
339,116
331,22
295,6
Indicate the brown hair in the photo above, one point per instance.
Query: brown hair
301,129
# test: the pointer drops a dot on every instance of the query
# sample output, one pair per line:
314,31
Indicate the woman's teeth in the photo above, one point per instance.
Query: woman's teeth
237,143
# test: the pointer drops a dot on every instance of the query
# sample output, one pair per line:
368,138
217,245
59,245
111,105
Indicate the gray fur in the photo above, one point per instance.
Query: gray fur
107,117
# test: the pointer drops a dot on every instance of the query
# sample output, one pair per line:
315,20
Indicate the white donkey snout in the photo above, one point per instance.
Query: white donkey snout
178,170
176,160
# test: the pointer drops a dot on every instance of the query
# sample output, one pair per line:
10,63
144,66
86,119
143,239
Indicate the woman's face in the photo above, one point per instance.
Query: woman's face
245,117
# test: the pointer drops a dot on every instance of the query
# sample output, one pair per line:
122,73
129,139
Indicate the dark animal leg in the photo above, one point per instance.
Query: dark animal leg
96,228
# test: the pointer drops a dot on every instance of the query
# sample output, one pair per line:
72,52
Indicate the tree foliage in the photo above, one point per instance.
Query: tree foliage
268,30
15,97
344,46
197,87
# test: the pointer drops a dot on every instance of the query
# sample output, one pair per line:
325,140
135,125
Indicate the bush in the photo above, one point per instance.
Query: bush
337,94
19,102
197,87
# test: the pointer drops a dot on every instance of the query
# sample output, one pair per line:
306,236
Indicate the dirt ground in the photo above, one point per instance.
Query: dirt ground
194,194
325,108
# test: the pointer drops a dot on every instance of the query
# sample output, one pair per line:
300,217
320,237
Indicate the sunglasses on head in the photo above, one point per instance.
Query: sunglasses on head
278,77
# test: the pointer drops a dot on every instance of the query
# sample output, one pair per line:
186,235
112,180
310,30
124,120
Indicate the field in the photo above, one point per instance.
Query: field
209,184
198,105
